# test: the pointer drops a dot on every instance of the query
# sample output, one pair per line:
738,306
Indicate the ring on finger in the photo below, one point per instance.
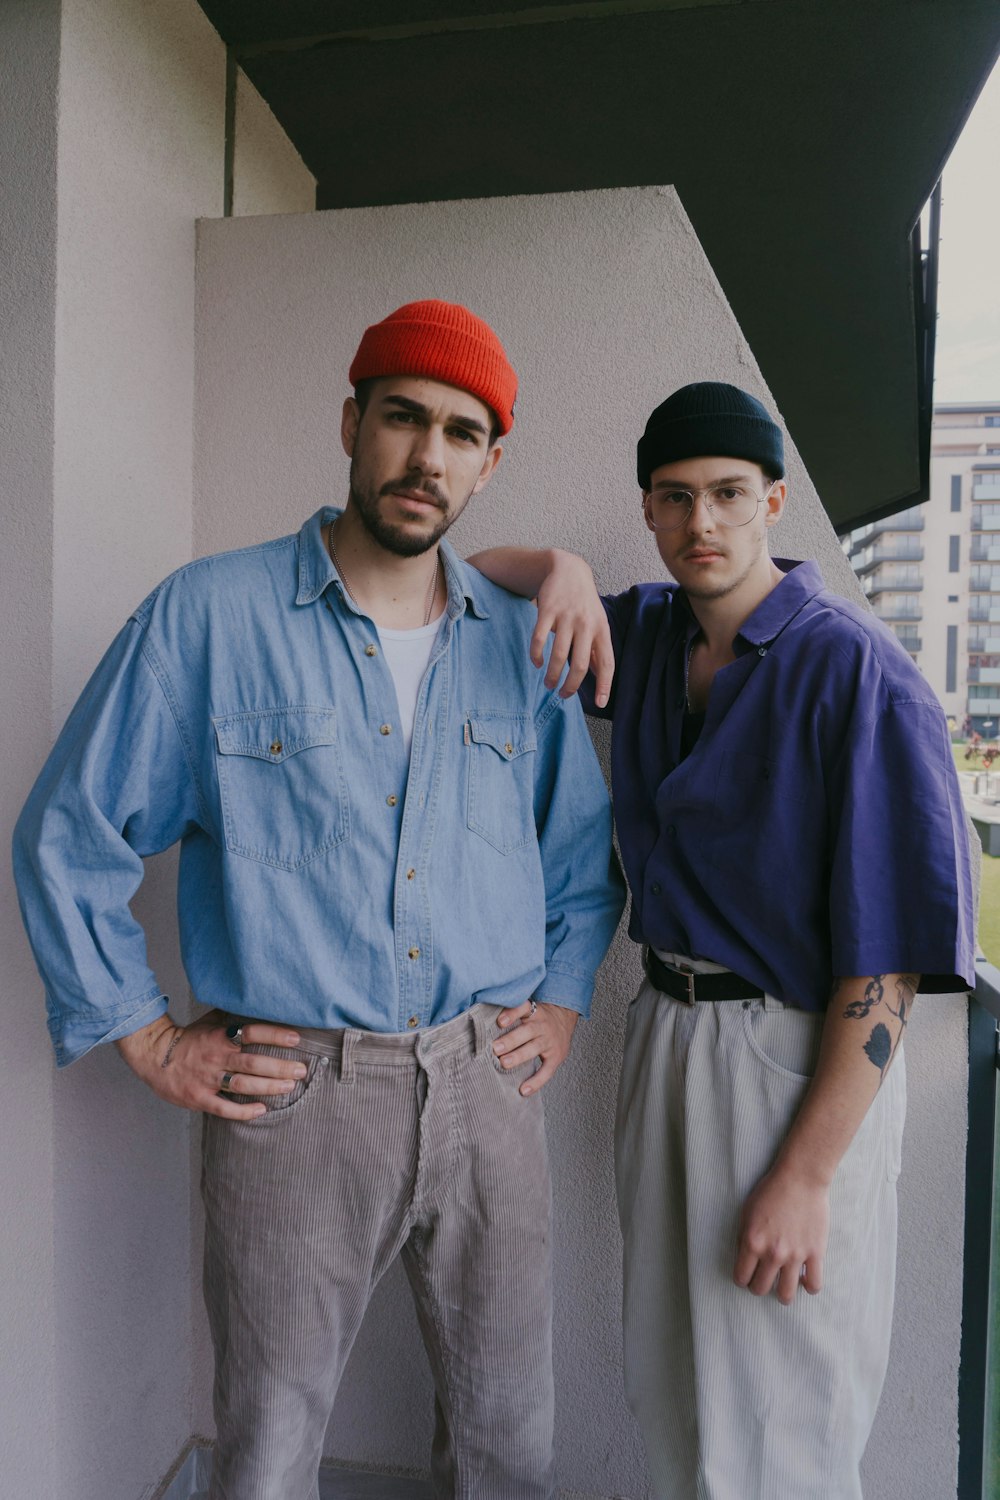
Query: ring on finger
235,1034
534,1007
227,1082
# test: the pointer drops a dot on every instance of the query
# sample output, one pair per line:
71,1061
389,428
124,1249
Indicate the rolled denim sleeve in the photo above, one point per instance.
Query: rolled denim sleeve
584,888
118,785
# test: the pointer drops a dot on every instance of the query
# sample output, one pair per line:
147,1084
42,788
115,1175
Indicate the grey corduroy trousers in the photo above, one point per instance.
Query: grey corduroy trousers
737,1396
404,1144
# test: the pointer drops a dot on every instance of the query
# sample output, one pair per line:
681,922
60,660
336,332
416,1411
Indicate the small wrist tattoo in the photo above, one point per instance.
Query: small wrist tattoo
178,1033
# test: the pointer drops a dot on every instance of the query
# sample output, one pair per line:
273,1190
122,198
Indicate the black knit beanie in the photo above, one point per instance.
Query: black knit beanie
710,420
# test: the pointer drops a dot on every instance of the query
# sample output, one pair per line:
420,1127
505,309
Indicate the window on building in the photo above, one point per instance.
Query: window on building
956,492
993,421
952,598
951,661
954,543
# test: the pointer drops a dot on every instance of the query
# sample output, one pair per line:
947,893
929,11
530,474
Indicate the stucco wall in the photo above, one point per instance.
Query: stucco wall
29,47
605,302
269,175
111,146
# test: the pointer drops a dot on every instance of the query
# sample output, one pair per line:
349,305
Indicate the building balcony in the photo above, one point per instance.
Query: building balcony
874,586
906,521
891,612
983,644
986,518
865,562
984,674
985,551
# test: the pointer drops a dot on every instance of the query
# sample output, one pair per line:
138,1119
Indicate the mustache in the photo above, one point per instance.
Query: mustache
427,488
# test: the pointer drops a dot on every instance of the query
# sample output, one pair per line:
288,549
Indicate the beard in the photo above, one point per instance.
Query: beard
390,536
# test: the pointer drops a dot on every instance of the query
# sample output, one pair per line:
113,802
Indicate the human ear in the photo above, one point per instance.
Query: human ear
350,421
489,465
776,503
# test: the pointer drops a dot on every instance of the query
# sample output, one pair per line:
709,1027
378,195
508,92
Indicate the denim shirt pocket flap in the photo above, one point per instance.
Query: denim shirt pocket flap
507,737
275,734
282,787
501,777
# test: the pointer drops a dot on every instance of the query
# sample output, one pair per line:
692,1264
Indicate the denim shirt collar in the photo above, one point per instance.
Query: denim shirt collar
317,573
802,582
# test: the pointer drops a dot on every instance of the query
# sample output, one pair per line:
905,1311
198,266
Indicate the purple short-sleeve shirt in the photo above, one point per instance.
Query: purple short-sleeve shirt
816,828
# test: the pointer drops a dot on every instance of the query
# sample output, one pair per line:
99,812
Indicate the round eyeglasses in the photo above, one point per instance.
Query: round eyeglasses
730,504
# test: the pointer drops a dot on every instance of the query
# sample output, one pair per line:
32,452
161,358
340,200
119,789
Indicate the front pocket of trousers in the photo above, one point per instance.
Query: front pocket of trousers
279,1106
281,785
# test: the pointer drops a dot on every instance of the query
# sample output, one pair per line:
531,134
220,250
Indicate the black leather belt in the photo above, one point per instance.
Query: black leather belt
694,987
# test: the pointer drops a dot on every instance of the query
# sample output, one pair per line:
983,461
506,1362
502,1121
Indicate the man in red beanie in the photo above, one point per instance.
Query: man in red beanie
395,888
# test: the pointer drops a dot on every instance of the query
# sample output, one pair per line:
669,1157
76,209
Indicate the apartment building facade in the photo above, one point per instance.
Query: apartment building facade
932,572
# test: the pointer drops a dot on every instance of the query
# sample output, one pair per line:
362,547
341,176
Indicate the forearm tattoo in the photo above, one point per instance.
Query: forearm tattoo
880,1048
873,995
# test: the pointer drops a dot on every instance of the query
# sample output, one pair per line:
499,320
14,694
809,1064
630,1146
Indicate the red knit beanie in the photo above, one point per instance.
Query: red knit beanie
445,342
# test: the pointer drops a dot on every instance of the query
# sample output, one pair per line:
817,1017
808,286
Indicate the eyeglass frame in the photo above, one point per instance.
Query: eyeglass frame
707,490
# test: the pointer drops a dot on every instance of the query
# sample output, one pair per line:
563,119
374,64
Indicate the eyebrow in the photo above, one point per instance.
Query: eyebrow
682,484
419,409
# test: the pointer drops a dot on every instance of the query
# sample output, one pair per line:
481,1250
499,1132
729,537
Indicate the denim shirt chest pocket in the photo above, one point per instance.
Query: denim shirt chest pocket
500,755
281,784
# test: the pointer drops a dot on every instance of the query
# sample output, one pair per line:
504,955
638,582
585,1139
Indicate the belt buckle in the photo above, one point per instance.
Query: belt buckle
689,998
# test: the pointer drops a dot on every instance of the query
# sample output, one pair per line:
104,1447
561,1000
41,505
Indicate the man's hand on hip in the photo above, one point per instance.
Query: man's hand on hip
188,1065
546,1031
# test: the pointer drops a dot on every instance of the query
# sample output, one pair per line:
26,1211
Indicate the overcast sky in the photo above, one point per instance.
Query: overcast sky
967,361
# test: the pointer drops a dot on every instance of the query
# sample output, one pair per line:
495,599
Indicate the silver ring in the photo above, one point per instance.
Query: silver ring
227,1081
235,1035
534,1007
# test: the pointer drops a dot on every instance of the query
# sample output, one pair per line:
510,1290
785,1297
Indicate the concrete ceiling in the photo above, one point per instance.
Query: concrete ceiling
803,137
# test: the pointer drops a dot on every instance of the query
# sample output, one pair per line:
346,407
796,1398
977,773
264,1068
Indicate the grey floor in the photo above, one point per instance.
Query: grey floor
191,1483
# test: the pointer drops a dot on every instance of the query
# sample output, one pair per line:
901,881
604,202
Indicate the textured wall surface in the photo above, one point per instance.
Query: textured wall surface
112,145
605,302
269,175
29,47
141,127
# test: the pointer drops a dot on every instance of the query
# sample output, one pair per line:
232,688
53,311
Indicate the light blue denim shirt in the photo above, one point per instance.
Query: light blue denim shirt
325,878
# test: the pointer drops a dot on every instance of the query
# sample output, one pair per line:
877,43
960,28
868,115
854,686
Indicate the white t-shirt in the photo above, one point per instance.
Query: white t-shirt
407,653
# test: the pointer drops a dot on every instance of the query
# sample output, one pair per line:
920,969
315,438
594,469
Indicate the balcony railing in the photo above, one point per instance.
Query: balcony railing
875,586
892,612
975,1396
866,562
906,520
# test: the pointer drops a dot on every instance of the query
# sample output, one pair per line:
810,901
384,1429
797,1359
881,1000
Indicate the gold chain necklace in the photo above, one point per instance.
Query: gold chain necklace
431,593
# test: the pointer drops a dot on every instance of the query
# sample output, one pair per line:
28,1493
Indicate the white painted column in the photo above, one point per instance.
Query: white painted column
29,46
111,147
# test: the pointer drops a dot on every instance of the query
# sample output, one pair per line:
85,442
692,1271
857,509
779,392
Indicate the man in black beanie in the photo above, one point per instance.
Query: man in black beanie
770,744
